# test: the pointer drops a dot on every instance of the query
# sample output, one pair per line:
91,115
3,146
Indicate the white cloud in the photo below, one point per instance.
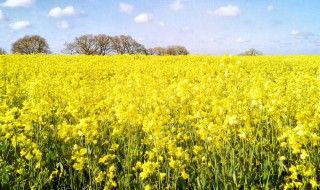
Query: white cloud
126,8
59,12
19,25
229,10
143,18
63,25
241,40
300,35
161,23
295,32
3,16
18,3
176,5
270,8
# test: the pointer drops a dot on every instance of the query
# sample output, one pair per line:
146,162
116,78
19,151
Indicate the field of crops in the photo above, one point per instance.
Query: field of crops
148,122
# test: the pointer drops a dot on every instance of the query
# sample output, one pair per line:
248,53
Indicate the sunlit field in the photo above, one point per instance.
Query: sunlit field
159,122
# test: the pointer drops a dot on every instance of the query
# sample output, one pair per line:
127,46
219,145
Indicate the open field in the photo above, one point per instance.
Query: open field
152,122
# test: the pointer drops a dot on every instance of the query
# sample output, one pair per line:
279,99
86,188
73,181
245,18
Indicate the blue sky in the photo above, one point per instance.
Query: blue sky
202,26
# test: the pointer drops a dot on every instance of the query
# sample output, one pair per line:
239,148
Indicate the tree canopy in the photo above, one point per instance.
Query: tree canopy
177,50
89,44
103,45
171,50
127,45
251,52
2,51
30,45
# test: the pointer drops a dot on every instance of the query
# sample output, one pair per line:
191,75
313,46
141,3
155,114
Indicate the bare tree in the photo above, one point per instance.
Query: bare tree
157,51
127,45
177,50
251,52
30,45
85,44
2,51
70,48
181,50
90,45
103,44
151,51
117,45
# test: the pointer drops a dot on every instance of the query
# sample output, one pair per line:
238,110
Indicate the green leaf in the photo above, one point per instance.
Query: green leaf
265,169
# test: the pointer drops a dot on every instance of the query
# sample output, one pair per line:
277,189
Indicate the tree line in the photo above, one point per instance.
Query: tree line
93,45
101,45
251,52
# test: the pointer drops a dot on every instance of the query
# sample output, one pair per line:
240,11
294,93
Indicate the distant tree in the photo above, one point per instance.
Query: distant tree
30,45
150,51
157,51
2,51
251,52
181,50
103,44
70,48
177,50
127,45
85,44
89,44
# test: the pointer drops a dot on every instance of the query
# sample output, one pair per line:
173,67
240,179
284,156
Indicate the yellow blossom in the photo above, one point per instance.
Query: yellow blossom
77,166
19,171
282,158
184,175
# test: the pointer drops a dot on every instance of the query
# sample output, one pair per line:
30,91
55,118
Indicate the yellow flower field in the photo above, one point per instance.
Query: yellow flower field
148,122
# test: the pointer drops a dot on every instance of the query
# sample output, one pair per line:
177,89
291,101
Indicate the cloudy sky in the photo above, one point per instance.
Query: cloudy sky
203,26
